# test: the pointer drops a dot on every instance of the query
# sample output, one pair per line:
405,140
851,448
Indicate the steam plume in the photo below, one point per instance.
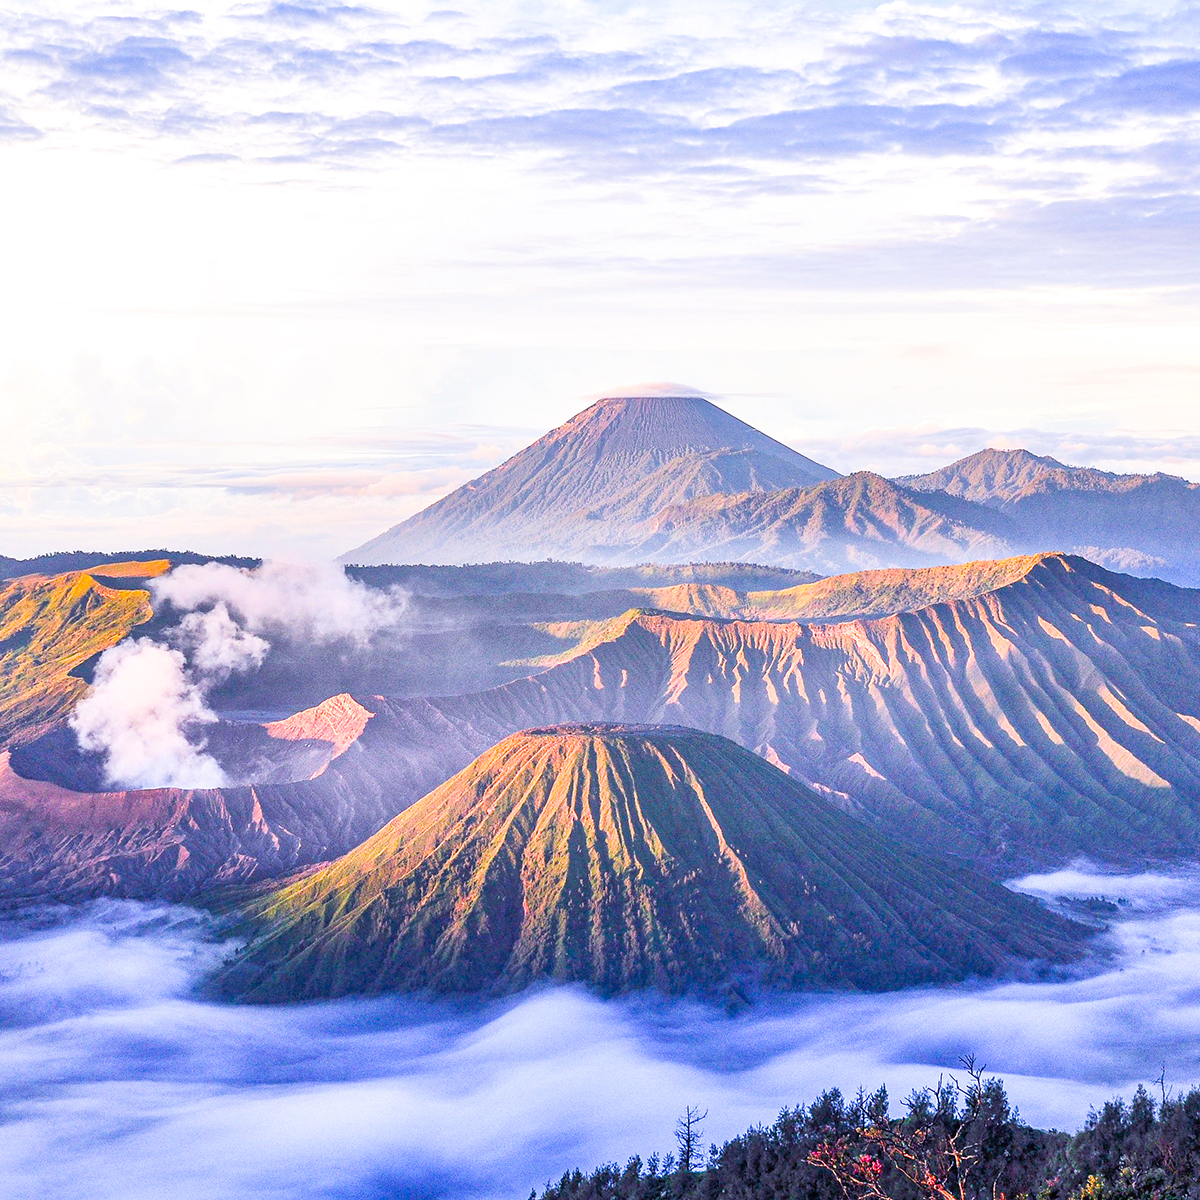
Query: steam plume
146,714
147,711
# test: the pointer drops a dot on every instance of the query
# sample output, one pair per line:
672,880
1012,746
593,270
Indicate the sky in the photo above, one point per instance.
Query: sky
278,275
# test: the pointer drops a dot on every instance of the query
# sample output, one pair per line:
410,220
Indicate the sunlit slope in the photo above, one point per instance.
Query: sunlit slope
629,857
1056,714
49,625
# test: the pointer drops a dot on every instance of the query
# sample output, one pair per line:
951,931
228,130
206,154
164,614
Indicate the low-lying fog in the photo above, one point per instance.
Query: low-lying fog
116,1082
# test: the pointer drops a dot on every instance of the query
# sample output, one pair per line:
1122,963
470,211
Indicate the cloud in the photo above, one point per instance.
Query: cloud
147,711
1168,88
146,714
300,602
1065,138
919,83
146,1092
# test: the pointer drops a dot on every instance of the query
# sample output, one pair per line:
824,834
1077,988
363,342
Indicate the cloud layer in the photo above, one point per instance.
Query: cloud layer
998,132
118,1082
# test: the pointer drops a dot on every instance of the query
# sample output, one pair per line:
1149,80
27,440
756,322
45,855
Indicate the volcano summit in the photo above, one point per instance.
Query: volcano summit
627,857
584,487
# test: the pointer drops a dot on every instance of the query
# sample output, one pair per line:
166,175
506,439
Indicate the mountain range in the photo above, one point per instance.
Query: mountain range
703,756
624,857
673,479
1011,713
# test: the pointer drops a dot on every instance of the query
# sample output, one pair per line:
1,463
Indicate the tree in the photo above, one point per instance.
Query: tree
939,1147
687,1136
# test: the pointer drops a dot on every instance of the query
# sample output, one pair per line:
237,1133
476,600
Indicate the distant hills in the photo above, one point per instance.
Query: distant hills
674,479
1147,524
629,857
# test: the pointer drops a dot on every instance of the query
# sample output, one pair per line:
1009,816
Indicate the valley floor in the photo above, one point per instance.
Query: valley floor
119,1082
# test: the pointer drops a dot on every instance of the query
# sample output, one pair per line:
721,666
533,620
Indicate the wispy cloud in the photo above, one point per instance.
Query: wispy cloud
1035,105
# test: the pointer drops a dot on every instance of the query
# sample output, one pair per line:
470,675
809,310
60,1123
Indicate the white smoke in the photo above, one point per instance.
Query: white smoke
146,714
314,602
218,645
147,710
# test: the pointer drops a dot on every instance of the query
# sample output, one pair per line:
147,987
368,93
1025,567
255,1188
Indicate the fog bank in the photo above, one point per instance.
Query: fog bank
116,1082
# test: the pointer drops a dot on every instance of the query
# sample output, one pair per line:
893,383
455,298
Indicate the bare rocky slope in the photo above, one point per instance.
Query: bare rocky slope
629,857
583,488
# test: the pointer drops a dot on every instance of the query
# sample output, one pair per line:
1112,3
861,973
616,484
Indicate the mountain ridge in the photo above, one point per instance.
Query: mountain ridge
1048,710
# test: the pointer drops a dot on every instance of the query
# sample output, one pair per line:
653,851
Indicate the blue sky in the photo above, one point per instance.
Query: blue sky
280,274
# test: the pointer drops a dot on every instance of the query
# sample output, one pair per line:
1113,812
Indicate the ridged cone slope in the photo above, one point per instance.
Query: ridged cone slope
628,857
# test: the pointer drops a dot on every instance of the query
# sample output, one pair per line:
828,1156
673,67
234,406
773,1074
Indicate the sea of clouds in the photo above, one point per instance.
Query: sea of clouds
117,1080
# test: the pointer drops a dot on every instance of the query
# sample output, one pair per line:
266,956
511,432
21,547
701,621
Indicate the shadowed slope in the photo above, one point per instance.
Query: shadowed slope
629,857
582,487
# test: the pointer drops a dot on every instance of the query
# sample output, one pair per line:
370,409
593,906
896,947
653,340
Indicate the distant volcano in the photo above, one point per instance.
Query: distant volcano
628,857
581,490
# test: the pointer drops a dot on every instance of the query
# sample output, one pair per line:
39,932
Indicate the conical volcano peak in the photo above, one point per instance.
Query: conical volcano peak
585,489
666,425
630,856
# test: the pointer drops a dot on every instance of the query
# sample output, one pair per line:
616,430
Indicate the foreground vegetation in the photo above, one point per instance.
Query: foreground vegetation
958,1140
